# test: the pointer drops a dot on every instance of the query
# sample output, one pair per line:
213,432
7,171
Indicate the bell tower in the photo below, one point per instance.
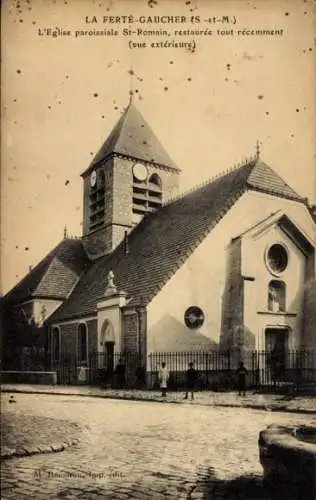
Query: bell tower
131,176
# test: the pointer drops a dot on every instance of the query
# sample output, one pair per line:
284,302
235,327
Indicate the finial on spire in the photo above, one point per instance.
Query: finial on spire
257,150
65,232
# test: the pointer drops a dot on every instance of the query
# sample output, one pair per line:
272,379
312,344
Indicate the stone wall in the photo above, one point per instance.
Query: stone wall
289,463
130,330
142,334
68,338
92,335
201,279
98,242
309,331
29,377
232,304
118,186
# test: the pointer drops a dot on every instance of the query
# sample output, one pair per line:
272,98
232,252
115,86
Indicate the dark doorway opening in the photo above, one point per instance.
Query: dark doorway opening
109,357
276,347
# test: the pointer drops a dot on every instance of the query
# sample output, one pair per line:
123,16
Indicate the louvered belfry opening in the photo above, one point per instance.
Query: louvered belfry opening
97,202
147,195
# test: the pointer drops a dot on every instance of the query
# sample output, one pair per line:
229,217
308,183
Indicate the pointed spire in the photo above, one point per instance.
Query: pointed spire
257,150
133,137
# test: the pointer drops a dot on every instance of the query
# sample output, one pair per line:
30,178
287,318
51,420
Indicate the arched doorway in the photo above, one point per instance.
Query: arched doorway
276,340
108,342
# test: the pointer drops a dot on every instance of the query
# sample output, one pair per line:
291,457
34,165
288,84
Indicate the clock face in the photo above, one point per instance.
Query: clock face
194,317
140,172
93,178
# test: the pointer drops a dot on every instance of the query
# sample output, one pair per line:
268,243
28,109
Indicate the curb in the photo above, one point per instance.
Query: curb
282,409
8,453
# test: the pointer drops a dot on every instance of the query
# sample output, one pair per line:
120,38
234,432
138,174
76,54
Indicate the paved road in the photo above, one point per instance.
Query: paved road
141,450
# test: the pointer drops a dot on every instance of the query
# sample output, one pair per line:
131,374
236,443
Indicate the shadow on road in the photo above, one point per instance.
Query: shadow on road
240,488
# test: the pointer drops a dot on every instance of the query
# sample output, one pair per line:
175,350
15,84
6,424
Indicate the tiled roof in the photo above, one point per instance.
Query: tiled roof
133,137
158,246
265,179
55,276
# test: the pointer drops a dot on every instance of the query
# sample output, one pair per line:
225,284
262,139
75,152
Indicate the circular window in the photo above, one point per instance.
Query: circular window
194,317
277,258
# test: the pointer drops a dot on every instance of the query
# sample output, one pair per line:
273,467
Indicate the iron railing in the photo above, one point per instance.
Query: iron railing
213,367
295,369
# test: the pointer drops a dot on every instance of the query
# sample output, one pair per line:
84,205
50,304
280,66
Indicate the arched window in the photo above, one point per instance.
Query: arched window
82,343
276,296
55,344
155,179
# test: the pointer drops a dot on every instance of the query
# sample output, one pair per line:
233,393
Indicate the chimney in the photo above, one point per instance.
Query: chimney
30,268
126,248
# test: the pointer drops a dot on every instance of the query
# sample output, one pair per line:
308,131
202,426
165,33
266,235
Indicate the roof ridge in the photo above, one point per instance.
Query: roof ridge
210,180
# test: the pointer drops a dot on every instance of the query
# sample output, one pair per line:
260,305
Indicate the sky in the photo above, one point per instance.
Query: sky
61,96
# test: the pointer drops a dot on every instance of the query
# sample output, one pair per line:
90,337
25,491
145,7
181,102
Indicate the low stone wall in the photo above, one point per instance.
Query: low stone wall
289,463
28,377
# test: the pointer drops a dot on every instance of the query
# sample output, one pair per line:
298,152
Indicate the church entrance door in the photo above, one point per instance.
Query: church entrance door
109,357
276,349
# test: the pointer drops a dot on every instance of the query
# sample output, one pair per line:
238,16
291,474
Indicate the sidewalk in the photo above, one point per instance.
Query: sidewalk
268,402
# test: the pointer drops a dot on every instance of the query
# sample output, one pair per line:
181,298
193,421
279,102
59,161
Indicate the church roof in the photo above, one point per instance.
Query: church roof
158,246
133,137
263,178
163,240
54,277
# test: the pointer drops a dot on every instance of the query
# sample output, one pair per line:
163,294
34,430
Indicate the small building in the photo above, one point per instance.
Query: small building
229,265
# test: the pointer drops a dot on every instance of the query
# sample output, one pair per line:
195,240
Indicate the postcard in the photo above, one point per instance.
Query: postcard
158,210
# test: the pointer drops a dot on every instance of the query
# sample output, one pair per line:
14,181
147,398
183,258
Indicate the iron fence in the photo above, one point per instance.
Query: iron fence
267,371
122,370
217,370
213,367
293,369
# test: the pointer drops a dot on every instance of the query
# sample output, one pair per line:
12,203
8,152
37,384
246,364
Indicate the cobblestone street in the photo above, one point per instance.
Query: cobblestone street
142,450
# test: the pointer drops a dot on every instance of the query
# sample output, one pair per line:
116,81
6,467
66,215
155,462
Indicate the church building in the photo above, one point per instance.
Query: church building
228,265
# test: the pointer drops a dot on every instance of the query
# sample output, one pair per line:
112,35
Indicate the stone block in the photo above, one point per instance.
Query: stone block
288,460
28,377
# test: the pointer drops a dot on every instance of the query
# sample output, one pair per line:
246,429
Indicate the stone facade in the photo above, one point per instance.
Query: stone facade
228,278
204,256
233,299
118,191
130,330
309,328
